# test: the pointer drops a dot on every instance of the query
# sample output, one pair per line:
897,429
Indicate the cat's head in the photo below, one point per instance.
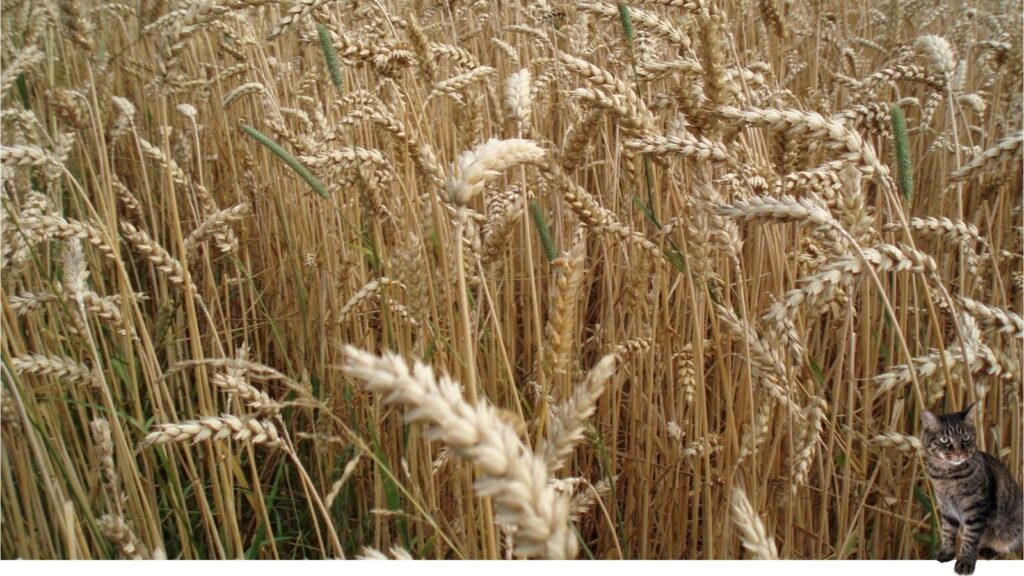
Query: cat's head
949,438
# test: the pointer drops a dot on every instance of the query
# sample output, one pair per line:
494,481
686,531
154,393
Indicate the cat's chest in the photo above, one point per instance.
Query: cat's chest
946,494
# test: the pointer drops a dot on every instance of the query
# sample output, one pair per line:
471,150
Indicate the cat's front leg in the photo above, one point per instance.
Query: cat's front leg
950,528
973,531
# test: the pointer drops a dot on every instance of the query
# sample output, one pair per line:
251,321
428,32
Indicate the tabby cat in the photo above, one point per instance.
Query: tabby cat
978,498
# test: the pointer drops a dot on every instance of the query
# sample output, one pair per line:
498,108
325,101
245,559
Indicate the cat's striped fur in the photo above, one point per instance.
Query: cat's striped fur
978,498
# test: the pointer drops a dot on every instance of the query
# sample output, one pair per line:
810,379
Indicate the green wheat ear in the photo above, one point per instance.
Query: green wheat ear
904,169
290,160
543,231
331,56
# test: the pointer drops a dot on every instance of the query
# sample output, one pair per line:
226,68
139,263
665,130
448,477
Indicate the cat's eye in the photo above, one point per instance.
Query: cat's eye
967,437
943,440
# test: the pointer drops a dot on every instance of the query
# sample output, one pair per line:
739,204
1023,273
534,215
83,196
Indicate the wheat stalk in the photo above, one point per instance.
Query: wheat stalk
765,362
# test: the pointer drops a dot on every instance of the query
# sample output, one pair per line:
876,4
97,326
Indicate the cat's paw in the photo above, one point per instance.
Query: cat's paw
987,554
945,555
964,566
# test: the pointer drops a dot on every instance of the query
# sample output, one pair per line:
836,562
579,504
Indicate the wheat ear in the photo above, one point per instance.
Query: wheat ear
474,168
901,442
226,426
752,532
510,472
566,429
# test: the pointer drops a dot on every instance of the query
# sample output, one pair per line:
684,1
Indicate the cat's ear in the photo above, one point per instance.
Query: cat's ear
968,413
930,421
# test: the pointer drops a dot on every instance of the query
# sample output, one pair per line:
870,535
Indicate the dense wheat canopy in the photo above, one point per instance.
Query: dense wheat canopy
660,279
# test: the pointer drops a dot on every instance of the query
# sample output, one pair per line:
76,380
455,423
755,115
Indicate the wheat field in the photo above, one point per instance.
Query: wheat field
658,279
